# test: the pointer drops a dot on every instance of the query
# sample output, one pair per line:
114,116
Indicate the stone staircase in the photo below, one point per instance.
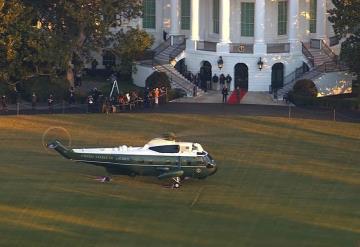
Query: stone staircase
324,61
320,57
162,63
178,80
168,54
311,75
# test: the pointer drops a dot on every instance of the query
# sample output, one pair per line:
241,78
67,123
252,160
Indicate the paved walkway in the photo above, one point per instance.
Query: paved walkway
253,98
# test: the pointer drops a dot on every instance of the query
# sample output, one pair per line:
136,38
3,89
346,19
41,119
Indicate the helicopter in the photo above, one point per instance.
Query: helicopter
164,158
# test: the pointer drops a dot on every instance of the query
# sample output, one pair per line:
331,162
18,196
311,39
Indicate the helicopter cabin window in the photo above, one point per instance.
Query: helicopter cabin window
187,161
165,149
199,160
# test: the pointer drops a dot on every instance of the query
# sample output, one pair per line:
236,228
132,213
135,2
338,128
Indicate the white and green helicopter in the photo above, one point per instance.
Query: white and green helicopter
160,157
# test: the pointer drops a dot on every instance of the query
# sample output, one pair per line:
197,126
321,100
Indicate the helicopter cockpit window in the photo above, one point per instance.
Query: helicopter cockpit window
165,149
209,157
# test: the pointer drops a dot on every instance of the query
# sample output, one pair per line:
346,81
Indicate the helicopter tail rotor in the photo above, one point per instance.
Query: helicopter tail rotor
60,148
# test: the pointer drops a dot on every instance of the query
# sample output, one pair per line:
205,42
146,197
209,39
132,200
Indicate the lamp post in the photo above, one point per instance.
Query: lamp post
260,64
220,62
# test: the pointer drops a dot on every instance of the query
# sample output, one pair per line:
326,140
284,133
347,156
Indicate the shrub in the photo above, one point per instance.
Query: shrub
338,103
43,86
158,79
176,93
305,88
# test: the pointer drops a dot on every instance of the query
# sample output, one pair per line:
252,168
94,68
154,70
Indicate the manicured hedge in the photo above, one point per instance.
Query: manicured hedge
328,102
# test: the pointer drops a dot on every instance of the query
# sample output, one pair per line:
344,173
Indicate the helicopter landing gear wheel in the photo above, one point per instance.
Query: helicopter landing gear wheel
106,179
176,183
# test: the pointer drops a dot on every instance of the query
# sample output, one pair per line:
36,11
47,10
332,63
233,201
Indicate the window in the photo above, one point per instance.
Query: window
312,15
185,14
165,149
247,19
199,160
282,18
149,14
109,59
216,16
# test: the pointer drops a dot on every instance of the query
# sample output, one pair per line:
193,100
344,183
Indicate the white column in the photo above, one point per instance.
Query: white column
175,18
225,21
321,19
191,44
259,45
223,46
293,19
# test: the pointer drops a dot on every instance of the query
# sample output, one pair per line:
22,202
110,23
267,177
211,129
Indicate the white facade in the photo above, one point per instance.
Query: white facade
203,44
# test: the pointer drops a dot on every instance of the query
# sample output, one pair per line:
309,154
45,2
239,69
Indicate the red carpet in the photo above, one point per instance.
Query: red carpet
235,98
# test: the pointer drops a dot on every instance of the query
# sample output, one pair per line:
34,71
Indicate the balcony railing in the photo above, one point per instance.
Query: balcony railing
241,48
206,46
307,54
278,48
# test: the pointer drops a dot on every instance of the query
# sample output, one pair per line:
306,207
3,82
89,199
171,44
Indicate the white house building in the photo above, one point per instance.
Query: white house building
259,43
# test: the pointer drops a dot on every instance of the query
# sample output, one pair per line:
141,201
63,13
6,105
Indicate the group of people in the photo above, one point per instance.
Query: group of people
126,101
207,82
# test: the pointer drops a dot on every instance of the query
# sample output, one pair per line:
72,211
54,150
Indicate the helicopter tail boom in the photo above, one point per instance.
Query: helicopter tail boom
60,148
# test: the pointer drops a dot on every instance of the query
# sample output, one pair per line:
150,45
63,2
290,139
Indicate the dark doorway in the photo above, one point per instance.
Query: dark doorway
277,76
242,76
181,66
205,74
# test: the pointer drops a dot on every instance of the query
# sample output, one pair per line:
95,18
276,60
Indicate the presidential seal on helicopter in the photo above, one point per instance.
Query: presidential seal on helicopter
164,158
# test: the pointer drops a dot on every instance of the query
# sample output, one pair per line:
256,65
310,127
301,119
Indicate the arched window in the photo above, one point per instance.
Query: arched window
149,14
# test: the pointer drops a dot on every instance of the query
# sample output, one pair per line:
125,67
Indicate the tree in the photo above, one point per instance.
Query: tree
158,79
345,18
130,45
56,37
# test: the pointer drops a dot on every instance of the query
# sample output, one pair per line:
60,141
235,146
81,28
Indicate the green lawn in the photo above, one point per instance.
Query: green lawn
280,183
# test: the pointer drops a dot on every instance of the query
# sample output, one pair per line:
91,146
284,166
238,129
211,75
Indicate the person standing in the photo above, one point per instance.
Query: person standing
156,96
228,80
194,91
4,104
71,96
225,94
33,101
238,94
215,80
51,103
222,80
165,34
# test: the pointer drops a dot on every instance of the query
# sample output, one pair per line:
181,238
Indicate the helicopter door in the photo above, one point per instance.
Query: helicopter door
178,162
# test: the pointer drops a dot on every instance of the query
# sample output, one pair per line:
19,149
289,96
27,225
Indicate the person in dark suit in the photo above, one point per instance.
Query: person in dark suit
225,93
